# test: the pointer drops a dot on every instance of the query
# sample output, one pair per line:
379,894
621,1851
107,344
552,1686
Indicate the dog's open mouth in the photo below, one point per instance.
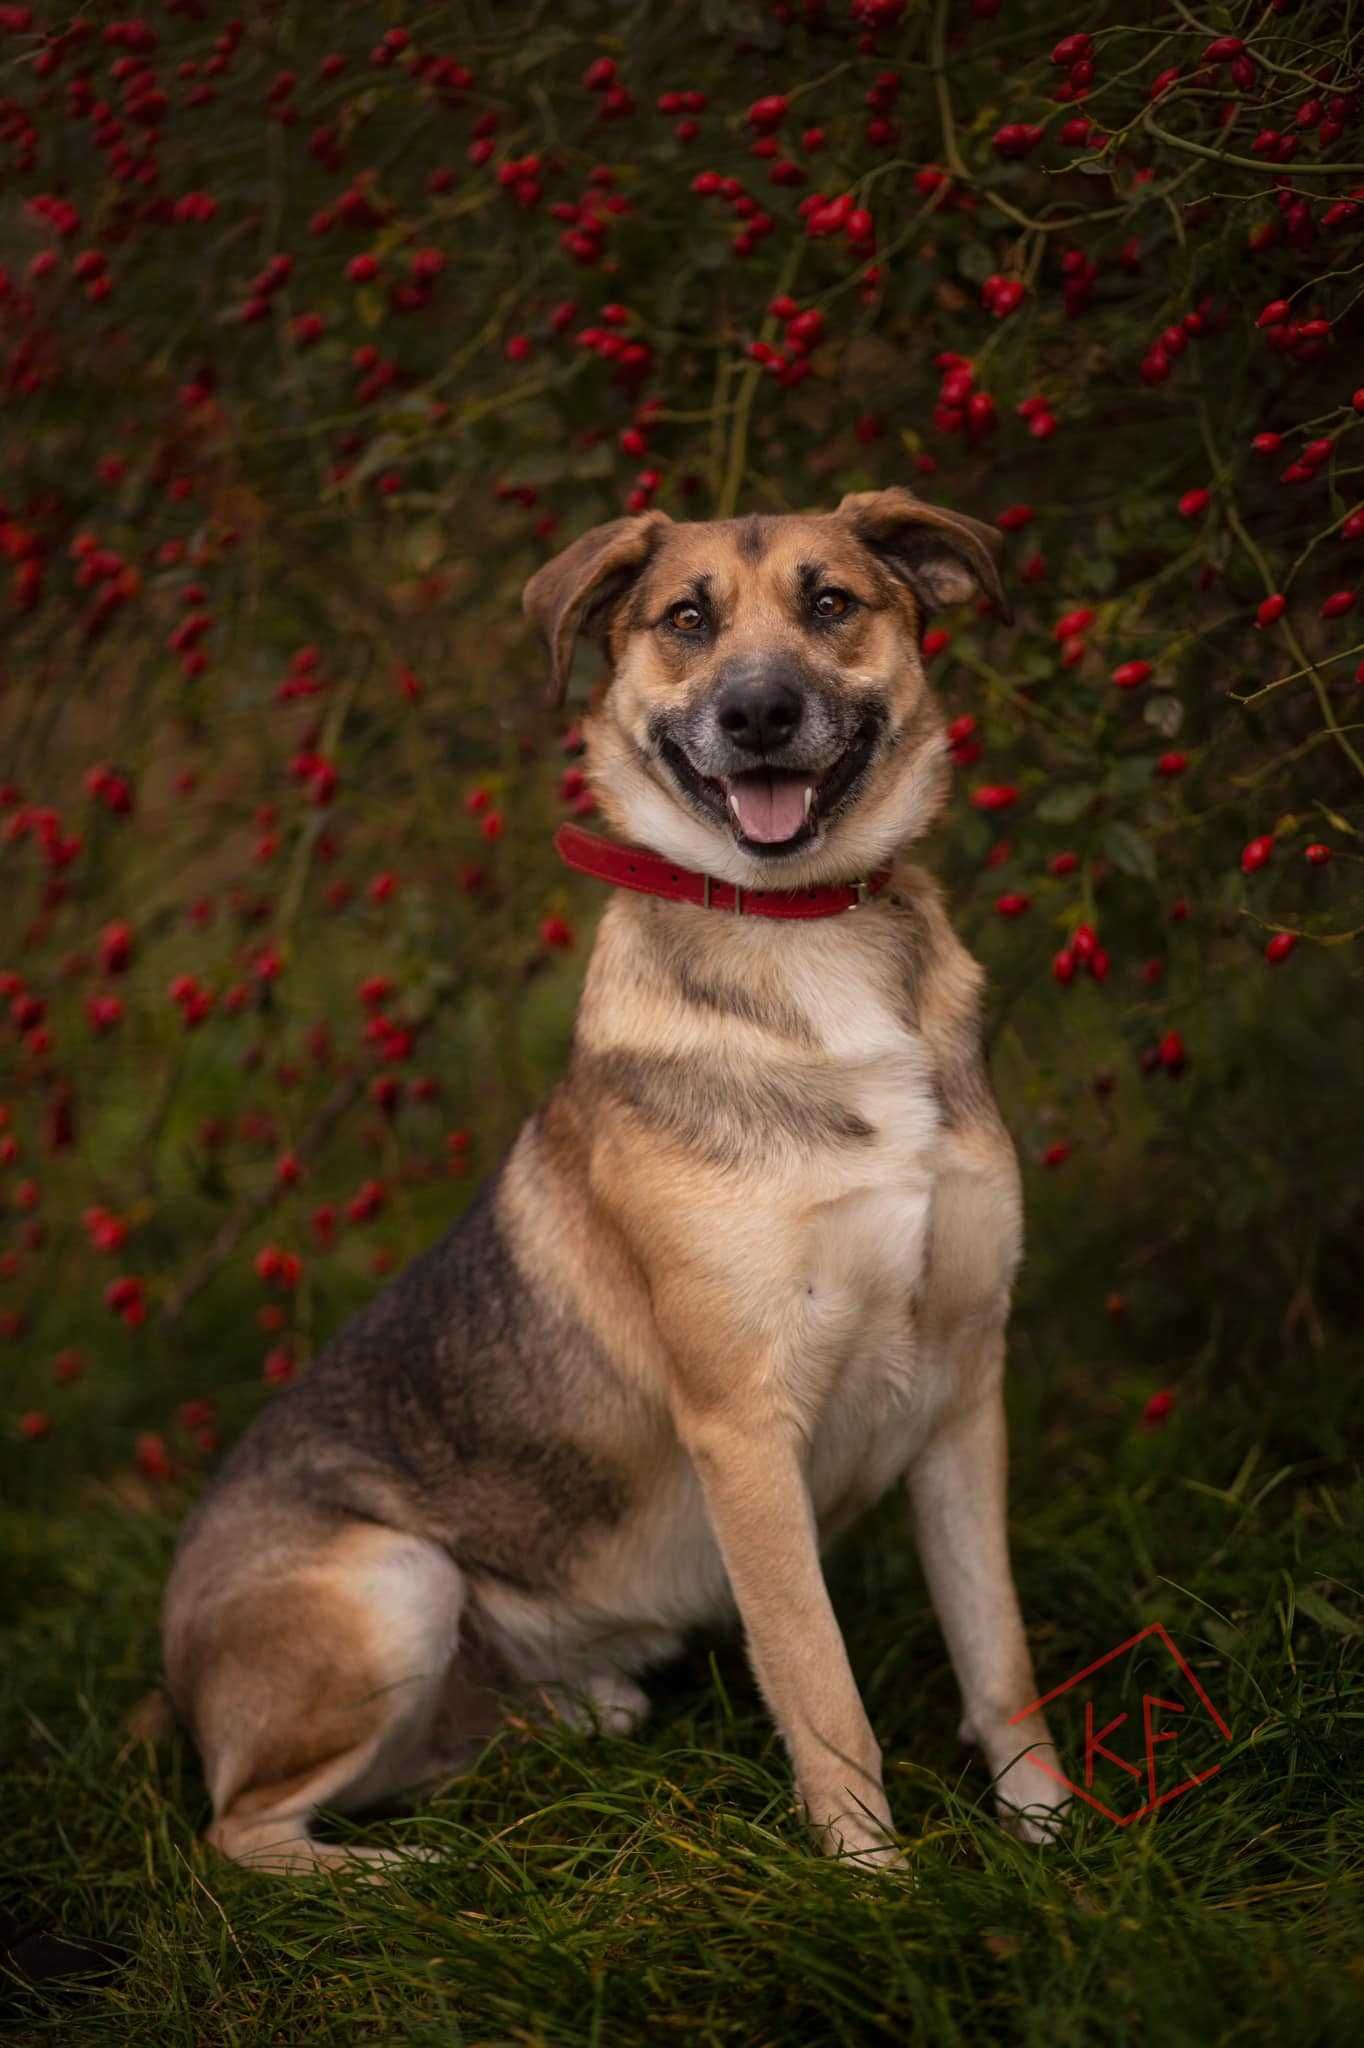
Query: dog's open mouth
773,810
771,805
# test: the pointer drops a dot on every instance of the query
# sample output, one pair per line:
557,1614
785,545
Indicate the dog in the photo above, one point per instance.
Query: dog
748,1266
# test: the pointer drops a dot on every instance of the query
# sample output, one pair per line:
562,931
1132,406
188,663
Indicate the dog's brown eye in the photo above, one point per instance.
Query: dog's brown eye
831,604
686,618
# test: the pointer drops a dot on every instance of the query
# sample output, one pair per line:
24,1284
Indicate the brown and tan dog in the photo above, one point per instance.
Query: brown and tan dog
748,1266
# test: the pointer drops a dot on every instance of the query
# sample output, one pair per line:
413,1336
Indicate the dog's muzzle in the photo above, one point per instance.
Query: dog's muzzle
771,758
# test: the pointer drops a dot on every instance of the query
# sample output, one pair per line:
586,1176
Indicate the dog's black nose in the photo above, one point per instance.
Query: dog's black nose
759,717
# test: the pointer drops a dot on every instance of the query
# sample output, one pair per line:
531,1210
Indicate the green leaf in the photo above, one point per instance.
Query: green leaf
1062,806
977,261
1132,776
1314,1604
1127,850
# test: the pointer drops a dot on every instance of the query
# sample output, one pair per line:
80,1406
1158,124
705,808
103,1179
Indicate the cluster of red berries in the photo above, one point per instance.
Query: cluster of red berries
106,1231
1083,951
127,1297
1304,340
961,408
1158,363
1001,296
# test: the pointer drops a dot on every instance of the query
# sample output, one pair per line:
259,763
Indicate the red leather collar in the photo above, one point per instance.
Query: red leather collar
630,867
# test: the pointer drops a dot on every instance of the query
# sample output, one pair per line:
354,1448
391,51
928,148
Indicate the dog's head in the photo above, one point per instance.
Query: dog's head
766,718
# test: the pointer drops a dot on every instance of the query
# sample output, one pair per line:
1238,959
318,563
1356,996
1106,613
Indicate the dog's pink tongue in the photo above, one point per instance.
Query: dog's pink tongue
770,806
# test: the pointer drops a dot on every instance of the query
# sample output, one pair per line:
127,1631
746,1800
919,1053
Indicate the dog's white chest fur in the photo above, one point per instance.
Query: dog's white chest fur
846,1255
822,1259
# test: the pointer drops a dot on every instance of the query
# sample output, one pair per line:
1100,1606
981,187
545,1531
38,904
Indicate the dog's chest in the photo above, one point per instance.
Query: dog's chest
852,1226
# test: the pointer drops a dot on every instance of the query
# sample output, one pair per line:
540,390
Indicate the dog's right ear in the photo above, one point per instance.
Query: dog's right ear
578,590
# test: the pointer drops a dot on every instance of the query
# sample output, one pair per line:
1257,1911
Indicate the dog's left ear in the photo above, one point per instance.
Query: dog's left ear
943,556
578,590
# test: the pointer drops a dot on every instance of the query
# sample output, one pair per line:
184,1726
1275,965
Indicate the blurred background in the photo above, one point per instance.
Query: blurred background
321,329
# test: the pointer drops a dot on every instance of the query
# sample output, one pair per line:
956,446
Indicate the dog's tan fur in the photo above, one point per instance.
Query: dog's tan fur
749,1265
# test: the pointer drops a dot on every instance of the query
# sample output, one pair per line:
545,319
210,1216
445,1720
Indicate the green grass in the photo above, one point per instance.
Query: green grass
659,1888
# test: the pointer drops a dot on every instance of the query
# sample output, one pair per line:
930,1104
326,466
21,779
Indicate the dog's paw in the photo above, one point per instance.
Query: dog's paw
861,1844
606,1703
1031,1797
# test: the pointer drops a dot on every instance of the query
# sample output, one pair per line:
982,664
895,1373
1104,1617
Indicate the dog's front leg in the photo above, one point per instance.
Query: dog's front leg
760,1509
957,1488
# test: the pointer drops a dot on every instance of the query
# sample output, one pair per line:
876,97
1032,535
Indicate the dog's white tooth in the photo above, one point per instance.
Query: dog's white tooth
809,797
733,803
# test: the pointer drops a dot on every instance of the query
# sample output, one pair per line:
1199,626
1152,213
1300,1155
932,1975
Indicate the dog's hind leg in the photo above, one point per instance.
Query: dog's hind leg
322,1685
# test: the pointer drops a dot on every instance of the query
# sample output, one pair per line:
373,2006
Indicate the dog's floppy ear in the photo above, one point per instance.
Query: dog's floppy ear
943,556
577,591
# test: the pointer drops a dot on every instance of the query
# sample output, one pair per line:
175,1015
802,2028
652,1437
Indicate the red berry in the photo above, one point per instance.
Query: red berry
1016,139
1280,946
1071,49
1056,1154
1337,604
1255,853
1271,609
1160,1406
805,329
1194,504
1063,966
994,796
1072,623
1171,765
1063,863
1171,1054
1012,904
1129,674
1317,854
769,113
151,1456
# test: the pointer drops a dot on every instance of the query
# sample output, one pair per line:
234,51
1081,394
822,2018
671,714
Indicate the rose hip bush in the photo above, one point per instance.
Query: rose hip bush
320,328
